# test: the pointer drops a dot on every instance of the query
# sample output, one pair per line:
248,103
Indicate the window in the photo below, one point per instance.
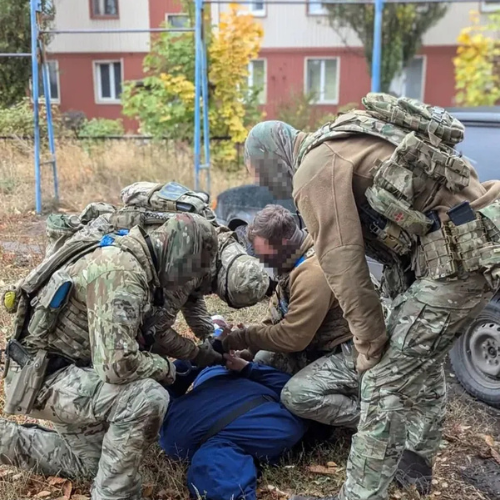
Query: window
53,67
257,79
322,80
256,8
411,81
315,8
104,8
490,6
178,21
108,76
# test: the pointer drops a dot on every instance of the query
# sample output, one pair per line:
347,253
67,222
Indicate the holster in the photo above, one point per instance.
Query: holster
26,384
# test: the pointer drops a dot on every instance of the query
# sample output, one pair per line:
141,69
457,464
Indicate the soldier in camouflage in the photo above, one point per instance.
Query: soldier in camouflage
238,279
107,403
304,334
384,181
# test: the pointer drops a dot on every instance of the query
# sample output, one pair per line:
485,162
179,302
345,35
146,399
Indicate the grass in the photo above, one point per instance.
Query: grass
99,175
98,171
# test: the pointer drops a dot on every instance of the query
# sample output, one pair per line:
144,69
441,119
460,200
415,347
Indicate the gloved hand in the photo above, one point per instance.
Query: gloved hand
363,363
207,356
235,340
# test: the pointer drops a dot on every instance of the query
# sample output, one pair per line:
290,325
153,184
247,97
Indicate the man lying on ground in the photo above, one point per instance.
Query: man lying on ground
230,420
305,333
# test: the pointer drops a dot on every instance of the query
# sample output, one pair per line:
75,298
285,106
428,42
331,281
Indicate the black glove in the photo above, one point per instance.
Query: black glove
207,356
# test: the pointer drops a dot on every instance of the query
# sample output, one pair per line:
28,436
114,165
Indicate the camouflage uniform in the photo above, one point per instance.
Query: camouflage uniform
333,398
107,405
370,183
237,278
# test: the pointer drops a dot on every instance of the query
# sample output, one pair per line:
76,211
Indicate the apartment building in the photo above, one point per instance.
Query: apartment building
301,53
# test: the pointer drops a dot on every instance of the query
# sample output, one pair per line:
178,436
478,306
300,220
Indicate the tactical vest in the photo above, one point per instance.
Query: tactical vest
146,204
43,304
423,162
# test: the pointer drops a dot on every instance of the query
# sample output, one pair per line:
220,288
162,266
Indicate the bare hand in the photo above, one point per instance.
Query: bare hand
234,362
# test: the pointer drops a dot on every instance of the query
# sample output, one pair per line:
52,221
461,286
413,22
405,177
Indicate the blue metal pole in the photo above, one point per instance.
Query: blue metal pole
377,45
50,128
206,127
36,94
197,92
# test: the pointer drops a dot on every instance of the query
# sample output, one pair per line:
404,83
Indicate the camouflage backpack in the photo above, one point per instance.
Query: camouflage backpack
145,204
424,137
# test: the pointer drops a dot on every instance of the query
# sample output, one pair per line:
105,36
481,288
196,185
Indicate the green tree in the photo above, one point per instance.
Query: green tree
403,28
15,37
164,101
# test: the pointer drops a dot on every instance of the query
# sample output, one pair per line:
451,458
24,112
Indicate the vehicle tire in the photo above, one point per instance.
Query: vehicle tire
241,234
475,357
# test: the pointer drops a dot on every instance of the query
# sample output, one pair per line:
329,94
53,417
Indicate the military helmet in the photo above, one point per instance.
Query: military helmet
241,279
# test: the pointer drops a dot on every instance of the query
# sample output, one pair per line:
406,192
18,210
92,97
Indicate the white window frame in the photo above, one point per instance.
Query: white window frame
97,80
424,75
256,13
98,16
250,78
41,94
52,99
323,12
490,6
322,77
176,14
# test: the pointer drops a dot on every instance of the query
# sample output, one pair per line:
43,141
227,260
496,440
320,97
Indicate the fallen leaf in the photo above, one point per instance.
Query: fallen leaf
147,490
489,440
43,494
331,464
320,469
55,481
17,476
495,455
67,489
275,490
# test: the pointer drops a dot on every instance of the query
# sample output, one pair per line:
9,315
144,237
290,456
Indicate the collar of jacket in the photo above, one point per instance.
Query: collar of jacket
135,243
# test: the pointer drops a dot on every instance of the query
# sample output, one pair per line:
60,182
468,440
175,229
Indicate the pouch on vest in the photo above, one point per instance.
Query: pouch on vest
59,228
491,220
48,304
25,386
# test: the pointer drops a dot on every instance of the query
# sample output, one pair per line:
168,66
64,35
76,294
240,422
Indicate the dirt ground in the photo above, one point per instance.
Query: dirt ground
467,468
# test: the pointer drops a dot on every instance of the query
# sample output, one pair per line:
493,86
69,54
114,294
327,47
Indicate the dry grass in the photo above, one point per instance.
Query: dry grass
97,172
101,174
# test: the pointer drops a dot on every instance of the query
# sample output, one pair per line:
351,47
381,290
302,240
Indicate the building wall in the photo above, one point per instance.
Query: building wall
76,14
77,85
286,76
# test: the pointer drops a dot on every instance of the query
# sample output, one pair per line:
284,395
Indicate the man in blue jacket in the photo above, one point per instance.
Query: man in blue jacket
227,424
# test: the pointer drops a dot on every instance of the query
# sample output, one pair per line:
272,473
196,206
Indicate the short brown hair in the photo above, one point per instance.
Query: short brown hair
274,223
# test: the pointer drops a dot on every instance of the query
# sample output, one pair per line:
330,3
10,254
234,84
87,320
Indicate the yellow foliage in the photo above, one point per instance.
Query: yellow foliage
477,77
233,46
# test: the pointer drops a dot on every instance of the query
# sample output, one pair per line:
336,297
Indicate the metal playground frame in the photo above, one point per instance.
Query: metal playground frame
201,162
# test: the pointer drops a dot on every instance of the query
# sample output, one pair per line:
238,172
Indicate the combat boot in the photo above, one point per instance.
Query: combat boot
413,470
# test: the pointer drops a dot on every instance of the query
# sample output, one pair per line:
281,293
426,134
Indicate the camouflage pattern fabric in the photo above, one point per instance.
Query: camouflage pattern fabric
101,431
269,149
241,279
325,390
403,396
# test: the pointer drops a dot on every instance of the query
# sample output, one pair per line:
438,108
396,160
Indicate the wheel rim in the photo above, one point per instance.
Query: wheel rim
483,353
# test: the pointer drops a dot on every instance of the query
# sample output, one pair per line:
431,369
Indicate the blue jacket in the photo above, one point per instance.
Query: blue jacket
264,431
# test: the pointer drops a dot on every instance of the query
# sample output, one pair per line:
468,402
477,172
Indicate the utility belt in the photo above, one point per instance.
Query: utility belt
468,243
31,370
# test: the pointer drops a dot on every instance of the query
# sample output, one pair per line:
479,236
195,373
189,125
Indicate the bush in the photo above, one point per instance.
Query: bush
101,127
18,120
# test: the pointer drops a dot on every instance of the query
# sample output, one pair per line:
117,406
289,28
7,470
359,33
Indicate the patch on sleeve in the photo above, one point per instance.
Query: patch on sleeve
126,308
